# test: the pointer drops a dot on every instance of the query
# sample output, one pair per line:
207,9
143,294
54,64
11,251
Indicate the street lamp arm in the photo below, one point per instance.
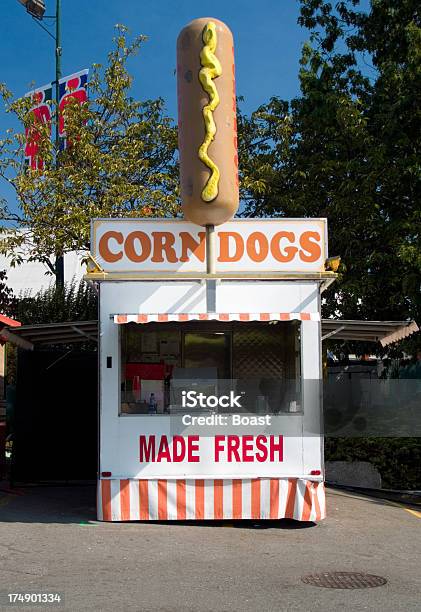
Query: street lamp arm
37,21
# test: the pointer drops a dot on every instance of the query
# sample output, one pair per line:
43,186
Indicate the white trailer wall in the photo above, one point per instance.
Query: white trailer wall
119,435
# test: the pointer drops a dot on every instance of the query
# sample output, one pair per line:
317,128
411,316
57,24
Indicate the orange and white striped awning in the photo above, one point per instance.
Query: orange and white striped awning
214,316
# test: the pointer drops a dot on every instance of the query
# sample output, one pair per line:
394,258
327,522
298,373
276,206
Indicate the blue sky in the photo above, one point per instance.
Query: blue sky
267,38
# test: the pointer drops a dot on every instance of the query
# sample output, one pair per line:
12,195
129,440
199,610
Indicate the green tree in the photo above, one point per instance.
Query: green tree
6,293
73,302
348,149
121,161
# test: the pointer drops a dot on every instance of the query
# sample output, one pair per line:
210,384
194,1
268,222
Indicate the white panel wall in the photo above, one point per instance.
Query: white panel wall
33,276
312,395
267,296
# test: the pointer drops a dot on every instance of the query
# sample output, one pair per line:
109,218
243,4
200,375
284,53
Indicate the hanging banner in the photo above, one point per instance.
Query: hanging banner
40,113
72,87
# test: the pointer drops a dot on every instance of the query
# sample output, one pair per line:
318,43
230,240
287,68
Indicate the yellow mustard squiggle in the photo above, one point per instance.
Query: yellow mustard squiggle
211,69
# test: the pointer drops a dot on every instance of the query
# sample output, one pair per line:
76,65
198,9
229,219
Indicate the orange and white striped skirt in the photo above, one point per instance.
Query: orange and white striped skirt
180,500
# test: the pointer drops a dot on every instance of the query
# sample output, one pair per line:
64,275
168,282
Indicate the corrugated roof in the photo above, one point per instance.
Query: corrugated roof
57,333
385,332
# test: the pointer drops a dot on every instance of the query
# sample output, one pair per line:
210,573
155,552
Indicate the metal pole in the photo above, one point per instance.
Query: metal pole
210,249
210,269
59,259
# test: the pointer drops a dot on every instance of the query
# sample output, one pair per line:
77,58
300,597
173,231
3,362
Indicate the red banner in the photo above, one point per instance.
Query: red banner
72,87
40,113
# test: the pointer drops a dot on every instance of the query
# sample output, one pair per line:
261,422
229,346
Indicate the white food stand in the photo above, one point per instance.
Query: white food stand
260,308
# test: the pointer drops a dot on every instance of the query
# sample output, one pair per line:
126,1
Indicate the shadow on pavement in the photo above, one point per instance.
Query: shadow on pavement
372,499
69,504
412,500
65,504
240,524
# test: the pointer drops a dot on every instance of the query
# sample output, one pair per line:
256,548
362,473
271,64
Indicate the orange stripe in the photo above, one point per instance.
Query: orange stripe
316,501
237,501
124,500
223,316
284,316
143,500
307,502
106,499
183,317
162,317
181,500
199,494
162,500
218,500
244,316
121,318
305,316
203,316
264,316
142,318
292,491
255,498
274,498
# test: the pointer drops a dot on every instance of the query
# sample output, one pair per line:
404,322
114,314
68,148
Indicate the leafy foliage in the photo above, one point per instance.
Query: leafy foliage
120,163
73,302
348,149
6,293
397,459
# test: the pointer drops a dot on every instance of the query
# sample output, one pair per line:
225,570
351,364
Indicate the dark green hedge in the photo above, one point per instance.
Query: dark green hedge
397,459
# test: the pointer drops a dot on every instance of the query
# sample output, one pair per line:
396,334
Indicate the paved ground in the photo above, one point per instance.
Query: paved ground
49,541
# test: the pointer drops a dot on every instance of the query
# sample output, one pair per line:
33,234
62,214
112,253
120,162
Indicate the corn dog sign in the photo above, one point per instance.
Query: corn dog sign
167,245
207,129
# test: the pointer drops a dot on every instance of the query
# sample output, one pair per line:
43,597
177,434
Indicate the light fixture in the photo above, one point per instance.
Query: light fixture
36,8
332,263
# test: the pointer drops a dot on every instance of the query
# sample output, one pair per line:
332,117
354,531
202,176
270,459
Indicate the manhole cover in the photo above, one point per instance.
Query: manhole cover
344,580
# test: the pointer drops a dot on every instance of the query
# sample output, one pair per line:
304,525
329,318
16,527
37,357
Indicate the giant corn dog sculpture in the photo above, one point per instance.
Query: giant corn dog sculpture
207,122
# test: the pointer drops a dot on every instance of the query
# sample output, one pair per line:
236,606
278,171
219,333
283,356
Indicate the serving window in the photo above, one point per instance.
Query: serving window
258,360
